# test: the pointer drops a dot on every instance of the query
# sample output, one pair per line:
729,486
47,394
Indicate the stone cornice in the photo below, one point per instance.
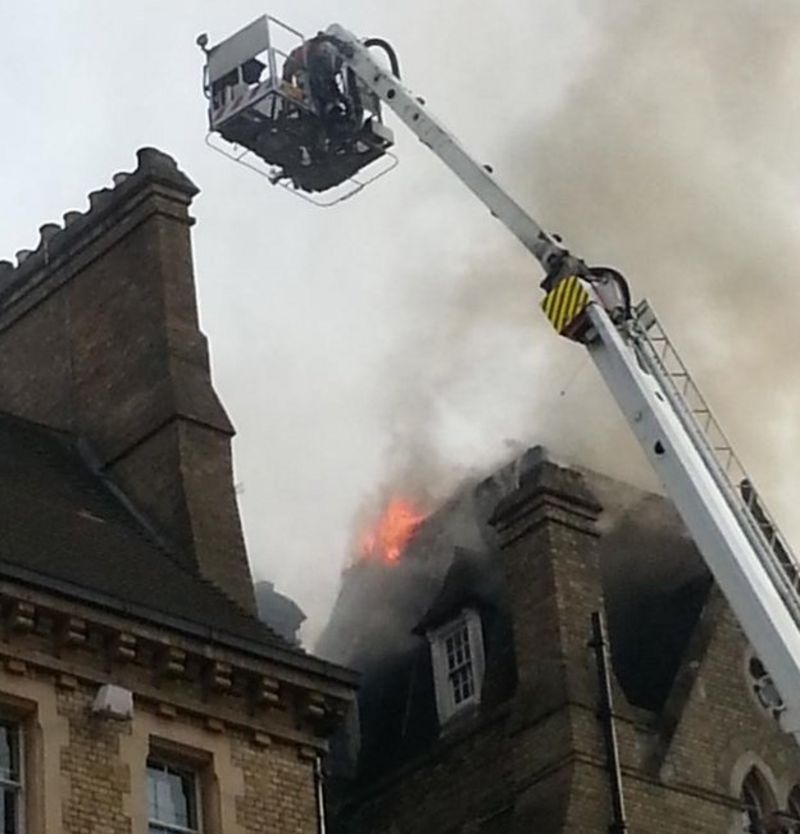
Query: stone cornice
176,672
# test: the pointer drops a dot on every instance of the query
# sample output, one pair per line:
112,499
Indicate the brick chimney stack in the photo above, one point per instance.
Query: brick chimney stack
99,336
548,543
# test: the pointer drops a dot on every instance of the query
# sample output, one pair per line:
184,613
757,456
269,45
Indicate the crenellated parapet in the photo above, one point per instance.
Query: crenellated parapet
59,243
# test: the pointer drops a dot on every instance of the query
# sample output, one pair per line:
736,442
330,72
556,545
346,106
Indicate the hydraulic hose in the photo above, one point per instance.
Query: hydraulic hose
619,280
390,53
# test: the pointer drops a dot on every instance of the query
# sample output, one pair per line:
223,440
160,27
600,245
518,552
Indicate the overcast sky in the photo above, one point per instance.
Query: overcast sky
395,341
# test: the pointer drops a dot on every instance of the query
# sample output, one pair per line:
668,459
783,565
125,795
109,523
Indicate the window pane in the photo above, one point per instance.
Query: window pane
9,752
9,811
152,781
457,649
462,683
170,797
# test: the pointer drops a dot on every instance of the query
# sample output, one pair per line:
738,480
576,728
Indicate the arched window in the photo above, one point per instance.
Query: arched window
758,804
793,810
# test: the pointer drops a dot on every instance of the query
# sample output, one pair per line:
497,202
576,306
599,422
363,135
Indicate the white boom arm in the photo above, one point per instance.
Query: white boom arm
738,544
430,132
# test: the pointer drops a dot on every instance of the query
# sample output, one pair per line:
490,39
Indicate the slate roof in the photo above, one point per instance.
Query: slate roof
64,528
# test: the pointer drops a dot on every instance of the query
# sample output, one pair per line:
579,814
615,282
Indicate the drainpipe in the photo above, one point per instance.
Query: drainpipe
605,714
319,787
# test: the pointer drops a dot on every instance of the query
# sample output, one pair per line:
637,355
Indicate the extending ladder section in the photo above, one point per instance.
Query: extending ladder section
660,358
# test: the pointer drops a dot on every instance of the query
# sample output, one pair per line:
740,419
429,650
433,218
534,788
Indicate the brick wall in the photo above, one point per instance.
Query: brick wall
279,790
97,779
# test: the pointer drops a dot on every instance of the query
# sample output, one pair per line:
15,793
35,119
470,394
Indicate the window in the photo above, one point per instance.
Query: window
458,663
793,810
758,804
171,799
763,688
10,778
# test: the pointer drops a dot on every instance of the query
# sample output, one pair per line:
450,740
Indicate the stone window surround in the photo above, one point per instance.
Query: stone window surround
208,755
445,704
780,787
758,800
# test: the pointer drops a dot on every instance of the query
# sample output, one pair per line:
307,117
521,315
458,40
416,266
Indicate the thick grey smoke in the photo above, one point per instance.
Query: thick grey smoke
673,156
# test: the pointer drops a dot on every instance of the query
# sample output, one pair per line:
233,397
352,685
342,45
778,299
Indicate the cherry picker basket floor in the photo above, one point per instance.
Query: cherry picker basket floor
313,154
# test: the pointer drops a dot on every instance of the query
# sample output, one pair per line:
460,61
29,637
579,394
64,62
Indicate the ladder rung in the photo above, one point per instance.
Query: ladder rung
782,561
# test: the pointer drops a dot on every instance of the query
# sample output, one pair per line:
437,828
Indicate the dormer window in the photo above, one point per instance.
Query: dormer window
458,664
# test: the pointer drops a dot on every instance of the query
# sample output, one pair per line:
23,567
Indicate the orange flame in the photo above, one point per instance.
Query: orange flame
387,540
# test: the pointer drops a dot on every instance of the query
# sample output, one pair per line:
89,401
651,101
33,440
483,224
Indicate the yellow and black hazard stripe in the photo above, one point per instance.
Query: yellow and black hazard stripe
565,302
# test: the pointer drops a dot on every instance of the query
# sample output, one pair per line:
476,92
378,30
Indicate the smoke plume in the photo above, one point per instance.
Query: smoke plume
672,156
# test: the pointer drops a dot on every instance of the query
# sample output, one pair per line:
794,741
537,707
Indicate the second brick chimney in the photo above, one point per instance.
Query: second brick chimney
548,544
99,336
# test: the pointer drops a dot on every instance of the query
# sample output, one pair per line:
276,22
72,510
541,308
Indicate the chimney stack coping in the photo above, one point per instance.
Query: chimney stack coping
551,482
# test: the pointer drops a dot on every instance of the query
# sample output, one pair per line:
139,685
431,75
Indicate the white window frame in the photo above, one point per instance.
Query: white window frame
19,786
154,825
446,706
